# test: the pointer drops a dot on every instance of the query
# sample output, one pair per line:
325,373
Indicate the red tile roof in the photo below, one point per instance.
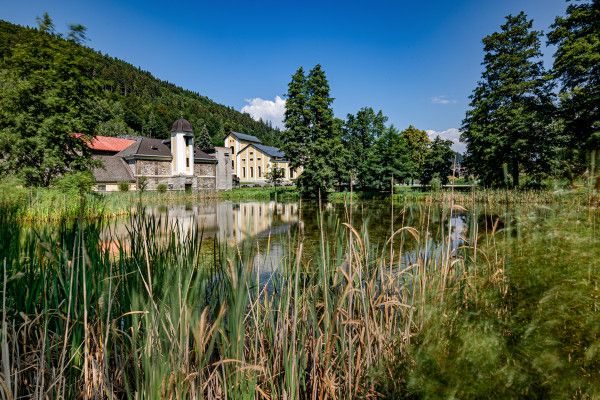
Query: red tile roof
107,143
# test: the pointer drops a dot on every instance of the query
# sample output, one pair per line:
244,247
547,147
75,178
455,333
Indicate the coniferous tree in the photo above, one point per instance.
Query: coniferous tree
203,140
297,121
577,66
511,109
388,158
313,138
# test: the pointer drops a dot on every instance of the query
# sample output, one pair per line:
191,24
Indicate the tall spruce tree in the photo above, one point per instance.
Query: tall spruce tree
577,66
203,140
511,109
297,121
313,138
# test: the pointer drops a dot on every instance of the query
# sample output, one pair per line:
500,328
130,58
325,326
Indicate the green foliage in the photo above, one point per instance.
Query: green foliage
123,186
202,139
313,138
438,162
529,329
161,188
44,97
577,67
510,115
142,184
361,131
146,106
388,158
80,182
417,144
274,176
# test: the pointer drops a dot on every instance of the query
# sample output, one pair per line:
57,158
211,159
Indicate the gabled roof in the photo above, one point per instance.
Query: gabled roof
106,143
147,147
245,137
199,155
113,169
268,150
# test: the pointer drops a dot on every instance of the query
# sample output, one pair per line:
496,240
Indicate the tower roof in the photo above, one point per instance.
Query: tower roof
182,125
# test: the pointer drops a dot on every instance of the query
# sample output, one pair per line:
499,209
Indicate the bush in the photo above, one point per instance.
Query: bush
435,183
161,188
80,182
124,186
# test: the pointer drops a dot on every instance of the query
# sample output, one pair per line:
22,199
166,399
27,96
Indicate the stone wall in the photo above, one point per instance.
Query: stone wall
224,170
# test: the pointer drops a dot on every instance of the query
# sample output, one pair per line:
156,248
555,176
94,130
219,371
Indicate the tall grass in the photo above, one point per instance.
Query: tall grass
168,313
157,314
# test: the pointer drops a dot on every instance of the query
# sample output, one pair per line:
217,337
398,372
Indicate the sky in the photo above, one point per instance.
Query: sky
417,61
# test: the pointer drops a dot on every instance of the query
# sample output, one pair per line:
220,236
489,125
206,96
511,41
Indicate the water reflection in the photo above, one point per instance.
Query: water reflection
268,225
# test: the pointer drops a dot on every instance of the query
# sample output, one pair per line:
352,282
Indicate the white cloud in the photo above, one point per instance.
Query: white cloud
267,110
449,134
442,100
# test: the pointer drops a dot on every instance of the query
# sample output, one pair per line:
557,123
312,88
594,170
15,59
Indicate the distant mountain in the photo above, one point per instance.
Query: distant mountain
143,104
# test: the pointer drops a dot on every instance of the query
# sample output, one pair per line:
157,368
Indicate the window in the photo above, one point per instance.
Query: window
259,172
251,172
282,172
244,172
291,173
232,165
243,160
231,148
252,159
187,162
258,159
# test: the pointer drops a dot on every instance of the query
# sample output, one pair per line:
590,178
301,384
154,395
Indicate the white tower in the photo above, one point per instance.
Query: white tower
182,148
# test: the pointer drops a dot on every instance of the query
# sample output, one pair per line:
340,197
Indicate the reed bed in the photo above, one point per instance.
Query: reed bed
159,315
168,313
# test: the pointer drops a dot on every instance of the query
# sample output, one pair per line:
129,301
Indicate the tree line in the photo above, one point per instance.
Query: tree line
524,125
361,150
51,85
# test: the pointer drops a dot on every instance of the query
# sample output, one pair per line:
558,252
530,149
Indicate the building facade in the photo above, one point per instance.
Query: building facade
174,163
252,160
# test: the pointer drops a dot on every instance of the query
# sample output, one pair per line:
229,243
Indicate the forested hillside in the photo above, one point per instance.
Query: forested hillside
132,101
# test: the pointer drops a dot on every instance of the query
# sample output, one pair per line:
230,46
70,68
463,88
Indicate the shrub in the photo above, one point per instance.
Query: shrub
161,188
435,183
124,186
80,182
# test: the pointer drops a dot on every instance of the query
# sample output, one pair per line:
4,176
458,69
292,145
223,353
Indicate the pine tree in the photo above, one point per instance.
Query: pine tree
297,120
511,109
577,66
312,139
388,158
203,140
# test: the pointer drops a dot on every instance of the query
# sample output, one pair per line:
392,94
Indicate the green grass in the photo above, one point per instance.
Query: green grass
167,313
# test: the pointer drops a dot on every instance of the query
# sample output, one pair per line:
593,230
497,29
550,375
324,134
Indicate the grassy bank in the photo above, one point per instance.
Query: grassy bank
164,313
51,204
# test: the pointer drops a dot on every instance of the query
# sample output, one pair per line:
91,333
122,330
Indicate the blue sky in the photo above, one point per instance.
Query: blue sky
417,61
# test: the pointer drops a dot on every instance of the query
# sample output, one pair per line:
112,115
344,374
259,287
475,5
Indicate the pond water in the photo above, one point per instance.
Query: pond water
269,226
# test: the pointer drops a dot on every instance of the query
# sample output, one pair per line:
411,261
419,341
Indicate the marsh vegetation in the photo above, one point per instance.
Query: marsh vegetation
369,299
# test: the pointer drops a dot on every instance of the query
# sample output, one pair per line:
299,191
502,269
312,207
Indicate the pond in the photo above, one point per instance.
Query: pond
269,226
